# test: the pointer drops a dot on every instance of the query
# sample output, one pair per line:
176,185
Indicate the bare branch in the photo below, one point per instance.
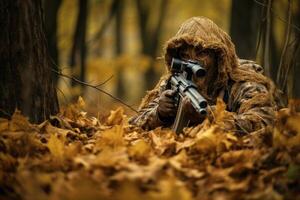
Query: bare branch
281,72
62,93
278,16
266,56
95,87
104,82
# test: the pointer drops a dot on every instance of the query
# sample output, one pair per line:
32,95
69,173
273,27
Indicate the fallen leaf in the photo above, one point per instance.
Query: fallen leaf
116,117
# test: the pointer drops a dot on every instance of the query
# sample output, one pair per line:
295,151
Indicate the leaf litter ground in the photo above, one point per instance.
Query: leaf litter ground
76,156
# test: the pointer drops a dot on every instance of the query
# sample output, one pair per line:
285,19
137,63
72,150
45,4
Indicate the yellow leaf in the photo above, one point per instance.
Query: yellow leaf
80,102
111,157
72,149
140,149
19,122
287,131
112,137
220,110
163,141
116,117
56,147
207,139
62,133
129,190
170,188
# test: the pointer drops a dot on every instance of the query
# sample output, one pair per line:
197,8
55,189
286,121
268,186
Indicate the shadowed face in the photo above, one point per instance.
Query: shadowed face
207,57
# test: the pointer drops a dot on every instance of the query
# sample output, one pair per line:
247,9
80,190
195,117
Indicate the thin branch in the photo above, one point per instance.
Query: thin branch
95,87
65,98
280,71
278,16
260,3
260,33
267,40
104,82
4,112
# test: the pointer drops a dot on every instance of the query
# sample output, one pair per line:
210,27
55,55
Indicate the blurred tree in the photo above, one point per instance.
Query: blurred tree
25,73
244,26
108,18
283,67
150,34
265,36
268,29
51,8
286,60
274,49
119,48
293,81
78,51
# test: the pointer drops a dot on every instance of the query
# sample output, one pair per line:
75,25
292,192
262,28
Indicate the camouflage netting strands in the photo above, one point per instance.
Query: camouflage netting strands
248,94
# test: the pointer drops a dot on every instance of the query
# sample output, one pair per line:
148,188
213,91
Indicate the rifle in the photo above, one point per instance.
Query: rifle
181,81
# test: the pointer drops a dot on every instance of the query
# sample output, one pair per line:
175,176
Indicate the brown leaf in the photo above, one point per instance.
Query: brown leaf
4,123
112,138
140,150
19,122
163,141
232,158
116,117
56,147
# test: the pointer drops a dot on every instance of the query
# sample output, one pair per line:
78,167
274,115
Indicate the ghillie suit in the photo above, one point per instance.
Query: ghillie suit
248,94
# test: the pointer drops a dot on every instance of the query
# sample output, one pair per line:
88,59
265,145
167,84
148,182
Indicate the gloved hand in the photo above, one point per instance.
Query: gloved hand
166,105
167,108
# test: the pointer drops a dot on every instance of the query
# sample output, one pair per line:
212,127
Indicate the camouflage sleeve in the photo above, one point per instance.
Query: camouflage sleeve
251,65
253,105
147,117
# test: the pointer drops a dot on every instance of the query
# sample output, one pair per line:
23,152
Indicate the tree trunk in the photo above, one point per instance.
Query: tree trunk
275,51
150,36
78,51
283,78
296,64
51,8
25,73
119,49
266,38
244,27
108,18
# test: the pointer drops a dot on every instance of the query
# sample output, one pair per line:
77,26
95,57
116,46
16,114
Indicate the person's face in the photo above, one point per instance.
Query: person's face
206,57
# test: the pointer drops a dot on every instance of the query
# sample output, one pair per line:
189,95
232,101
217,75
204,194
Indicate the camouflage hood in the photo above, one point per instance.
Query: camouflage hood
205,34
202,33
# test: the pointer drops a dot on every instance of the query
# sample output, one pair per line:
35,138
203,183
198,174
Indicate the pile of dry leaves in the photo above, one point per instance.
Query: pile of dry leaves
75,156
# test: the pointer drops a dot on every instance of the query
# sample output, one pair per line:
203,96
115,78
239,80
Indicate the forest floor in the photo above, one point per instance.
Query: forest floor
77,156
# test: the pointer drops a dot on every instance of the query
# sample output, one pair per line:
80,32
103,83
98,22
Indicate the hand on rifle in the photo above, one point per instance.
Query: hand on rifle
167,108
167,105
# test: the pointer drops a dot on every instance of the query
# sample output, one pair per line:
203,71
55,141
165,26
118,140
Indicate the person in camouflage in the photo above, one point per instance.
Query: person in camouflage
248,94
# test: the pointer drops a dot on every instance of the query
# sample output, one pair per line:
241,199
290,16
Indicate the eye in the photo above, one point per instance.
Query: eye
203,53
183,54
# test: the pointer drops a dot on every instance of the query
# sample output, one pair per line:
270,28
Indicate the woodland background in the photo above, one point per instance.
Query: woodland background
124,39
65,68
116,46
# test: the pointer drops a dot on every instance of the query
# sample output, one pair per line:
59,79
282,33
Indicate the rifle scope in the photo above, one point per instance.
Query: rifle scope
189,66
